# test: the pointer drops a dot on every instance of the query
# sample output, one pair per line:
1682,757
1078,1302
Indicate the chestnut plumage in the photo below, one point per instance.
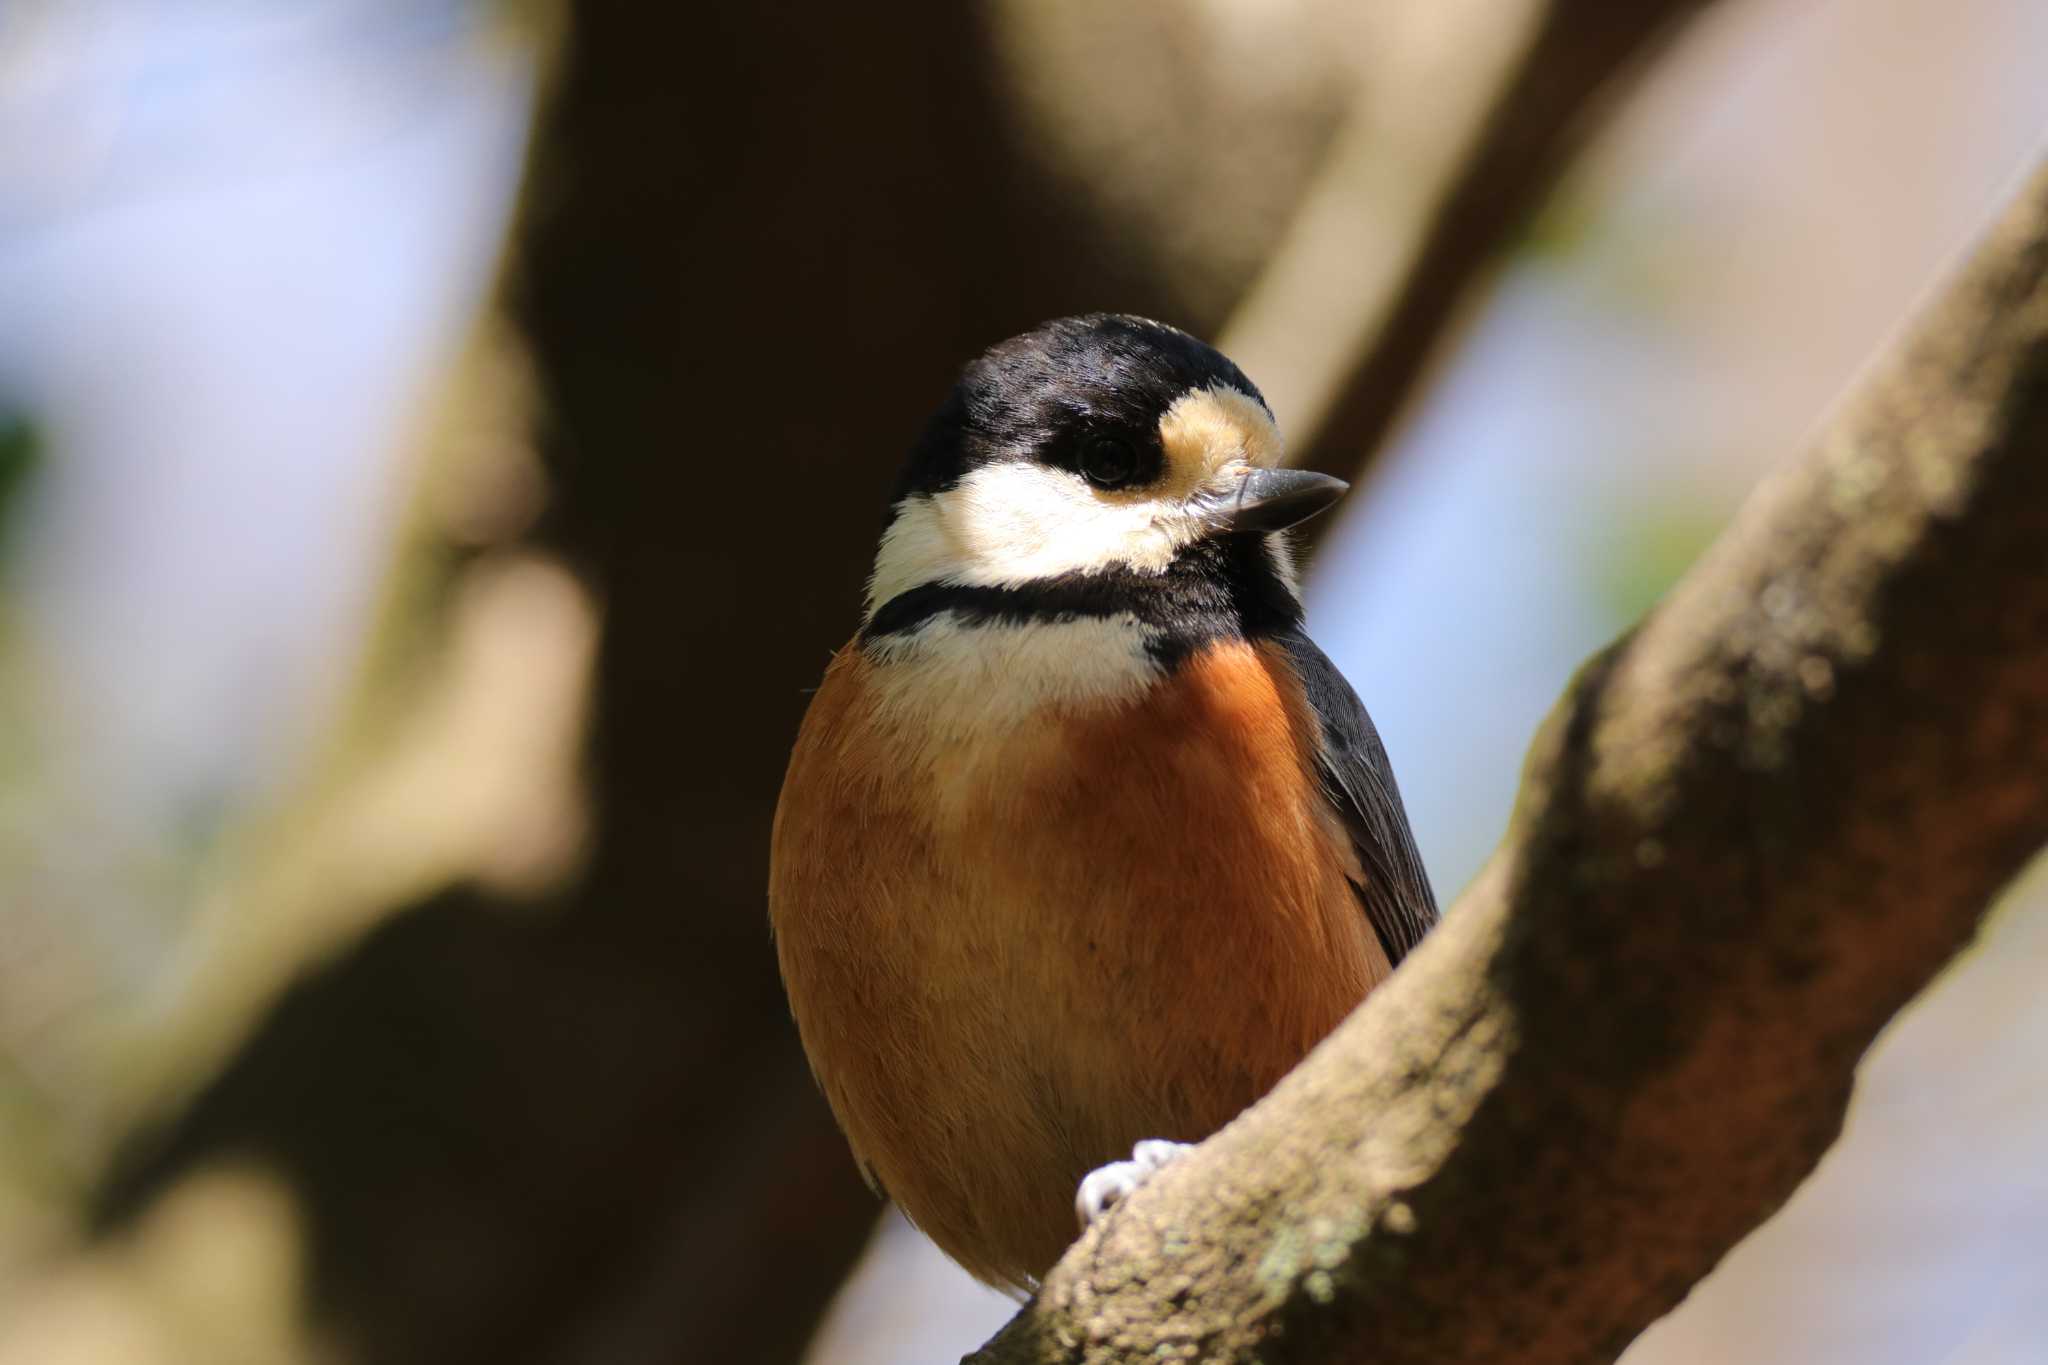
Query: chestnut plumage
1083,841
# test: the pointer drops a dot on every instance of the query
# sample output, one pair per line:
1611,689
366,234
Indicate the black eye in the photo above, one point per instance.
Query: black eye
1108,461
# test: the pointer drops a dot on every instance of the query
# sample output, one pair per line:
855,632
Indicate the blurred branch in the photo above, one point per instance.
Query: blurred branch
1400,245
583,1129
20,454
1747,835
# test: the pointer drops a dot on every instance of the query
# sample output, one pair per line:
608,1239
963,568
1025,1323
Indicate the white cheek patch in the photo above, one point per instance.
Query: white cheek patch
1015,521
947,680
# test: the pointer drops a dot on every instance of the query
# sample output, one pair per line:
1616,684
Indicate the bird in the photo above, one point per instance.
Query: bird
1083,843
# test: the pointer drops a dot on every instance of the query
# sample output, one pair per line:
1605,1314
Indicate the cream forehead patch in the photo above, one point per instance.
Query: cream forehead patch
1208,429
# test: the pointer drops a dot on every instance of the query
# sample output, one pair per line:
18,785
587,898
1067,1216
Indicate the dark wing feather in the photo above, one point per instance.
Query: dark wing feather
1360,784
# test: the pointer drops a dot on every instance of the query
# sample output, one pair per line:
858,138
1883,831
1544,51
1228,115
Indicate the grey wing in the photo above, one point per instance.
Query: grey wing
1360,784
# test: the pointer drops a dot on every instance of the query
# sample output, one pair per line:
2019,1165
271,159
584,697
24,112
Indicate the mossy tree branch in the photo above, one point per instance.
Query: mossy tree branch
1748,834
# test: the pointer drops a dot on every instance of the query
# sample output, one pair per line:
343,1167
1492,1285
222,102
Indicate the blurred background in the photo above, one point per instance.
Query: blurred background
440,440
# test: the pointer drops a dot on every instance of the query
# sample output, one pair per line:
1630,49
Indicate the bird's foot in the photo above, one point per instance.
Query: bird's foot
1107,1186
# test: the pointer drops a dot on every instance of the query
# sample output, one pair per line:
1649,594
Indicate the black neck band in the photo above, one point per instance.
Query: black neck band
1217,589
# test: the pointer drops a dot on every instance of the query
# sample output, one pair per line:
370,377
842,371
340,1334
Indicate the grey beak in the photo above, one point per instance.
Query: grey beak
1274,499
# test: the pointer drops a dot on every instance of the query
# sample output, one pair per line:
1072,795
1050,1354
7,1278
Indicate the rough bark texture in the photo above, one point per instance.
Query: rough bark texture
1748,834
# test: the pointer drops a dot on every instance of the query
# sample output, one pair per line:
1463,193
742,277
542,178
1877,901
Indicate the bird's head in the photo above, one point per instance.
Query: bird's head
1091,446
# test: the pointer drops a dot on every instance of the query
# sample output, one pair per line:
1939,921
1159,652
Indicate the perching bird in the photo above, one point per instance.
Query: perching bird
1083,841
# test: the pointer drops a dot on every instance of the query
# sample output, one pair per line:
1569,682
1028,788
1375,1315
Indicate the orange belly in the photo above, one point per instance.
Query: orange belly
1013,955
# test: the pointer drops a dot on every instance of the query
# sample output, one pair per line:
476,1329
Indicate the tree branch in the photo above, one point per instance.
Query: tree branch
1747,835
1578,57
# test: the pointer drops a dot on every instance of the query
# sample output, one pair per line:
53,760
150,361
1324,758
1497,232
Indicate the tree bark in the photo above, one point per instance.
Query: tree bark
1748,834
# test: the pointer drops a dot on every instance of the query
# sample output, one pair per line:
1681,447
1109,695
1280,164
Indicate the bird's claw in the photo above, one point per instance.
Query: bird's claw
1107,1186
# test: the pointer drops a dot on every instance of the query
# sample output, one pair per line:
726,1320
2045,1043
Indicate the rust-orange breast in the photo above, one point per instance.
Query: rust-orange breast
1015,953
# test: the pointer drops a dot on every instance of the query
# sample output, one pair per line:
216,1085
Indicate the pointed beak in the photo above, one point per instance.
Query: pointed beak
1274,499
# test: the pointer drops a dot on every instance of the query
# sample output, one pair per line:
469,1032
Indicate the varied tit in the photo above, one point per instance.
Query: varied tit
1083,841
